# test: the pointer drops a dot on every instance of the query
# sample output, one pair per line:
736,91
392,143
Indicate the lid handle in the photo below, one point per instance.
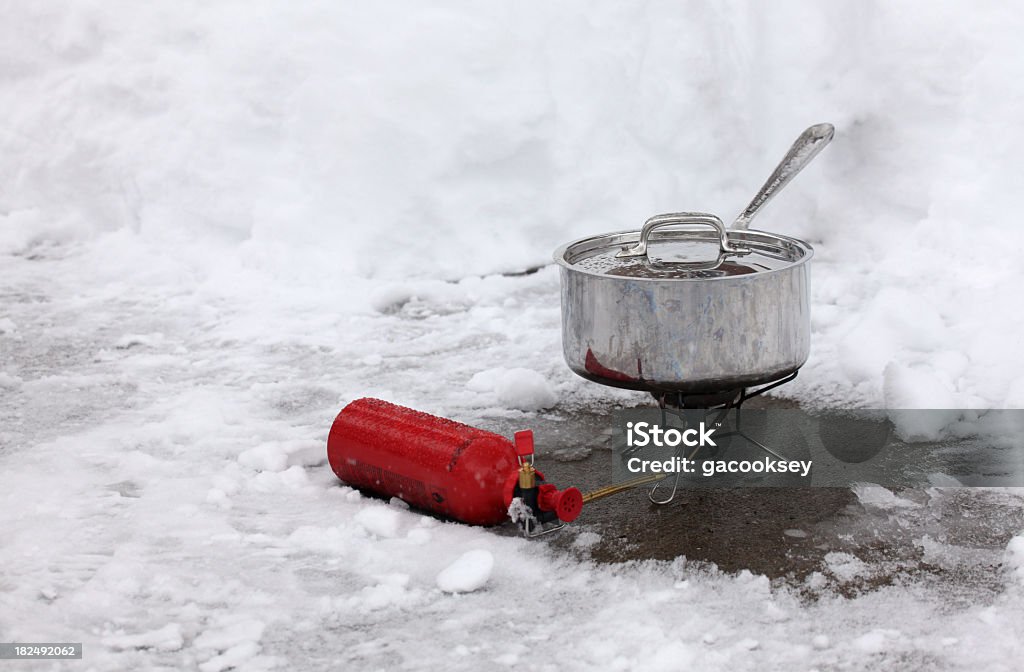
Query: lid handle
658,221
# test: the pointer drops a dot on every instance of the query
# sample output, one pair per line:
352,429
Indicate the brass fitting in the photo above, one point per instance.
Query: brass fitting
527,476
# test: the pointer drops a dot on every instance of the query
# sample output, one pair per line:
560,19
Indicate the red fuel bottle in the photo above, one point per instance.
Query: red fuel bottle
436,464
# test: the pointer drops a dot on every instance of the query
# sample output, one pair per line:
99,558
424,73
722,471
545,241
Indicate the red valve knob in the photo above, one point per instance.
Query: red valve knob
567,504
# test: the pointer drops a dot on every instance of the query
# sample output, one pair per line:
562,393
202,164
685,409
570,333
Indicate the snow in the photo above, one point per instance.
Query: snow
379,520
237,656
1014,561
918,387
230,635
519,388
468,573
882,498
845,566
586,539
219,223
167,638
494,168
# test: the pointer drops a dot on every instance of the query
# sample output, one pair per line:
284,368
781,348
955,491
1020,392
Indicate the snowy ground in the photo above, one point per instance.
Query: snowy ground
166,501
219,224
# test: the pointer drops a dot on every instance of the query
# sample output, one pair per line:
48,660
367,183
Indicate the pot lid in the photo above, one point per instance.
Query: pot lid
697,247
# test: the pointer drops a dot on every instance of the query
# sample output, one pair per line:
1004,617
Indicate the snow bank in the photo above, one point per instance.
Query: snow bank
312,147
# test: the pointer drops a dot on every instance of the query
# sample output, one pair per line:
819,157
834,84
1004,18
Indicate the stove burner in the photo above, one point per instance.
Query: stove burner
726,399
718,405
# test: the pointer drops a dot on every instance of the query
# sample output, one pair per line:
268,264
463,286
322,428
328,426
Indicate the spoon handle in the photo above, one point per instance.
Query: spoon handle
806,147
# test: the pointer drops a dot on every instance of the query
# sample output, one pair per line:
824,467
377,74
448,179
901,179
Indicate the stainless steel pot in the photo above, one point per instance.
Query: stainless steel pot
698,327
686,306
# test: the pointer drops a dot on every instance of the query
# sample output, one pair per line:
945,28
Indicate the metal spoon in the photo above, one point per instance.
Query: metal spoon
806,147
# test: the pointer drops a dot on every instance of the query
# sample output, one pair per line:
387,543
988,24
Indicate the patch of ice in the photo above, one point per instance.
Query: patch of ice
845,566
878,497
950,556
586,539
167,638
941,480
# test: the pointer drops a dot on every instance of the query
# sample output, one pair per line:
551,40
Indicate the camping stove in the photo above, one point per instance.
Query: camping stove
717,407
731,398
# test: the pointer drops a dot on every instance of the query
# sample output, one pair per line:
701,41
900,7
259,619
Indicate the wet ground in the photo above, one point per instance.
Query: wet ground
811,536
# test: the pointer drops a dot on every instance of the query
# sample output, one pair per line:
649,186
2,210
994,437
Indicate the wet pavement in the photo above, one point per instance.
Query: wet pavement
811,536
